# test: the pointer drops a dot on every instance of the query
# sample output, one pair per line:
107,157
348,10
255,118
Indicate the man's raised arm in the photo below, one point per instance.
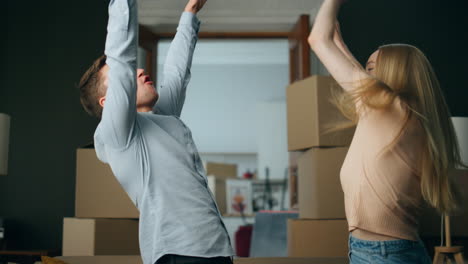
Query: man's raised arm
118,118
176,72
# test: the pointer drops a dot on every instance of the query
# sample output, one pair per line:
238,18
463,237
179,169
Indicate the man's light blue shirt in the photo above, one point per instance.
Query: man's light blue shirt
153,154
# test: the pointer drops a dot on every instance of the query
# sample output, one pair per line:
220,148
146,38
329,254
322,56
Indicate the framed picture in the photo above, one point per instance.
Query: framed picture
239,197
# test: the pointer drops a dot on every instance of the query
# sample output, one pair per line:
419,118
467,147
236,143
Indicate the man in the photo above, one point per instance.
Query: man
148,147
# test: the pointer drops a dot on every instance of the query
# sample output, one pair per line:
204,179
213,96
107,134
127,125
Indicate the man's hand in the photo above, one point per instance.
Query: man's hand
194,6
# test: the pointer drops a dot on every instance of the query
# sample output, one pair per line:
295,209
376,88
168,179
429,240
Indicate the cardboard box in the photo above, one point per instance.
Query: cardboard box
239,197
430,218
293,179
90,237
310,114
217,174
218,188
319,187
221,170
98,193
317,238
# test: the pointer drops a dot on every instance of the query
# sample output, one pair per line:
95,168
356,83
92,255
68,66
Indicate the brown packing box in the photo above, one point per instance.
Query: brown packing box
218,188
221,170
310,113
430,219
90,237
98,193
217,174
293,181
317,238
319,187
137,260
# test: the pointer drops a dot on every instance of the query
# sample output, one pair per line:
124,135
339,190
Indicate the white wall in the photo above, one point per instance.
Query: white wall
229,77
272,139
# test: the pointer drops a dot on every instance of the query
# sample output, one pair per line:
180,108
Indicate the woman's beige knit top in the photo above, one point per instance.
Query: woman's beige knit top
380,176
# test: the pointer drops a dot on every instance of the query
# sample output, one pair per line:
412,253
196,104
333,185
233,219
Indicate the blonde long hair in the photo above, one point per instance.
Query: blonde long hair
404,72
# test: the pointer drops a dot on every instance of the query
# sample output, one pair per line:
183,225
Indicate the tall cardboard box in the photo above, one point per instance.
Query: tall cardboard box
293,179
98,193
218,188
217,174
90,237
319,187
317,238
310,114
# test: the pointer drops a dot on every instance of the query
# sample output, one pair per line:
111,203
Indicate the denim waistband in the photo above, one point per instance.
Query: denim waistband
382,247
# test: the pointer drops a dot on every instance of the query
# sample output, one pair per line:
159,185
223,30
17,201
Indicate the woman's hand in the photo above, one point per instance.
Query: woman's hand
325,26
325,40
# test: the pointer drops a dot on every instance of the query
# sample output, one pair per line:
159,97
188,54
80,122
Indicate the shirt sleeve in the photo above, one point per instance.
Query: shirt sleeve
176,72
119,113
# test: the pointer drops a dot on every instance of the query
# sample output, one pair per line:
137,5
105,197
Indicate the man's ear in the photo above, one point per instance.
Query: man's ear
102,100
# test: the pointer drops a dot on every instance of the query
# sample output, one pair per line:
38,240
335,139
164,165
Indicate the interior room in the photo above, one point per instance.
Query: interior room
260,120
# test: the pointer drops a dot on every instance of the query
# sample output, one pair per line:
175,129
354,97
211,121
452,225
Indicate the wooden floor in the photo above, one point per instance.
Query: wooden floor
137,260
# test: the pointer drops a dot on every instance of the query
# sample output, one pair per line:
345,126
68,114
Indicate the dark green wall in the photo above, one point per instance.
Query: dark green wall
46,47
49,44
438,27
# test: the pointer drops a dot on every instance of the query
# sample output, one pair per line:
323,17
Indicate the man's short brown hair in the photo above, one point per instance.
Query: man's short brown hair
92,88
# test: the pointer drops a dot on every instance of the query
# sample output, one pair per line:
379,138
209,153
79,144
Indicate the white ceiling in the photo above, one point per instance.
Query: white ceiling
228,15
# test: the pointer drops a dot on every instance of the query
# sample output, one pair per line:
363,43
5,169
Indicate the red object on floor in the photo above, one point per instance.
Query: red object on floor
243,237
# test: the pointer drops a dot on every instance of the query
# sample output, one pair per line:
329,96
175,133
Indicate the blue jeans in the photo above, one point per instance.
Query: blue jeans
393,251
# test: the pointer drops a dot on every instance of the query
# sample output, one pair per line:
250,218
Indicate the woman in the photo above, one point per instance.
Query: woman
403,147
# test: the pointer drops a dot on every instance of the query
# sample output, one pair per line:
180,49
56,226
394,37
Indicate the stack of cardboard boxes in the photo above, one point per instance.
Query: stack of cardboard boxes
106,220
317,156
